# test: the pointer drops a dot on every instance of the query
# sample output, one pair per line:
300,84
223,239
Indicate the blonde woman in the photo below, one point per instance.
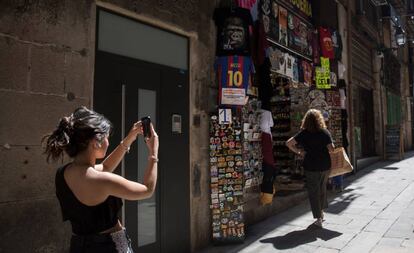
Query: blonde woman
315,143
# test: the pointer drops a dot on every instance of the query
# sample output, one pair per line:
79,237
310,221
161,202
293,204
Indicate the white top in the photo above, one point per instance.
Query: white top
343,98
341,70
266,122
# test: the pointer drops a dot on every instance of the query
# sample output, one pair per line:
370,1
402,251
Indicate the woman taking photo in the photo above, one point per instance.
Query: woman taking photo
315,142
89,193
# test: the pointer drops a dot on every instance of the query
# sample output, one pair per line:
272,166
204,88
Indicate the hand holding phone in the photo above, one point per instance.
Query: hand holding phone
146,128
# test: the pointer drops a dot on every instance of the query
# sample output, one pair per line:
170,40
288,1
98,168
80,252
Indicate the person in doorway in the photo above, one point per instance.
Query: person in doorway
315,142
338,183
89,193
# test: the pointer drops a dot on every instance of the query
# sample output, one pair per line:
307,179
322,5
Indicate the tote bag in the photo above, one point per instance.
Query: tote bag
340,163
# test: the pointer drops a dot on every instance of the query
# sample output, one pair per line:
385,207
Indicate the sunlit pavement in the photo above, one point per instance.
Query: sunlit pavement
375,213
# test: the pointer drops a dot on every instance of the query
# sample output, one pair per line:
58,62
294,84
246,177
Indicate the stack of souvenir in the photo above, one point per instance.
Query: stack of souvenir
252,155
299,105
226,167
280,108
333,99
335,126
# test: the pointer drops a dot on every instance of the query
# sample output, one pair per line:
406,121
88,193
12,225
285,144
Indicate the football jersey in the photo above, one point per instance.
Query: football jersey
327,46
234,71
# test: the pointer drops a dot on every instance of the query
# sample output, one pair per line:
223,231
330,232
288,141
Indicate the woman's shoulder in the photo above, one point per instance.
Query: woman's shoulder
325,131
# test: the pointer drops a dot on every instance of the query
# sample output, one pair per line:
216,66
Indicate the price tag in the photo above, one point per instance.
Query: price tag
225,116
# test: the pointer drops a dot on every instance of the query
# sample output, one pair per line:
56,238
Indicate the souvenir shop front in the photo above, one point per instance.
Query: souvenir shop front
272,65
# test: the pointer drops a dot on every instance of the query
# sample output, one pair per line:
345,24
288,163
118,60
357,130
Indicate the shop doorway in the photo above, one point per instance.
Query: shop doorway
126,89
364,120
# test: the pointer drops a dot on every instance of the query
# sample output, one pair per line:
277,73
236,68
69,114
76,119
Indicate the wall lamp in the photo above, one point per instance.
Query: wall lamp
400,36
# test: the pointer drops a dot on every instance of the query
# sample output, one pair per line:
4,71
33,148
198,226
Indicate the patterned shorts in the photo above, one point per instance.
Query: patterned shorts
117,242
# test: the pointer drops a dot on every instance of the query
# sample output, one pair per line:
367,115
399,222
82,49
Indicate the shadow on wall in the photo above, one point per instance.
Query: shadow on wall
300,237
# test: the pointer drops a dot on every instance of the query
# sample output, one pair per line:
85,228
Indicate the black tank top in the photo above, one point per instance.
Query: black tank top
85,219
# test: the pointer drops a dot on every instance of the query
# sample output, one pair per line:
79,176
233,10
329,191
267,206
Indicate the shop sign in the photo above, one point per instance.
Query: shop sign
322,78
233,96
303,5
393,141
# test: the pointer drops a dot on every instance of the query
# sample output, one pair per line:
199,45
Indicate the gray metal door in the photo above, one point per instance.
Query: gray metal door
125,90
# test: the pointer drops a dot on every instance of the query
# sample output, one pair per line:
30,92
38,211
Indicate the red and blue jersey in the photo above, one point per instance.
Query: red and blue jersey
234,71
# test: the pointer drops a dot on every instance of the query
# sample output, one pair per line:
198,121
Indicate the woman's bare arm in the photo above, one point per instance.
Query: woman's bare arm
120,187
115,185
330,147
112,160
291,144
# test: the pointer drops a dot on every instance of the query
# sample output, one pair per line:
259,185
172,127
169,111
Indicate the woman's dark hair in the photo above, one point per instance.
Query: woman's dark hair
313,121
74,132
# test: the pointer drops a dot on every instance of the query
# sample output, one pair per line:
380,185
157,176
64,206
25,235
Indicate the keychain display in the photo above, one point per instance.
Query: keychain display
333,99
280,108
252,154
299,105
335,126
226,171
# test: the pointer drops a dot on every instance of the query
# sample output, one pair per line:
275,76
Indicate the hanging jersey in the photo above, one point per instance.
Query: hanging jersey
250,5
266,121
247,4
233,31
234,71
327,46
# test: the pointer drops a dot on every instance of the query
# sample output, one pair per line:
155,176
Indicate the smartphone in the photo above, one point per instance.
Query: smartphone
146,128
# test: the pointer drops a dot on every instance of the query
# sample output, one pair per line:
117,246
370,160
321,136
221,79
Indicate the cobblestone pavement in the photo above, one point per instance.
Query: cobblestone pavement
375,213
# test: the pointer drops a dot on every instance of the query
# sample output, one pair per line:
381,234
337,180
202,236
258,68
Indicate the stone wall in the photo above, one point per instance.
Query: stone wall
45,72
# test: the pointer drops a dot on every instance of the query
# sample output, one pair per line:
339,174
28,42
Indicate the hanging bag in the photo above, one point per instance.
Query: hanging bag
340,163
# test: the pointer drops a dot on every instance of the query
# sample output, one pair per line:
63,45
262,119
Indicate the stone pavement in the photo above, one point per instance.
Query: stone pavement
375,213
